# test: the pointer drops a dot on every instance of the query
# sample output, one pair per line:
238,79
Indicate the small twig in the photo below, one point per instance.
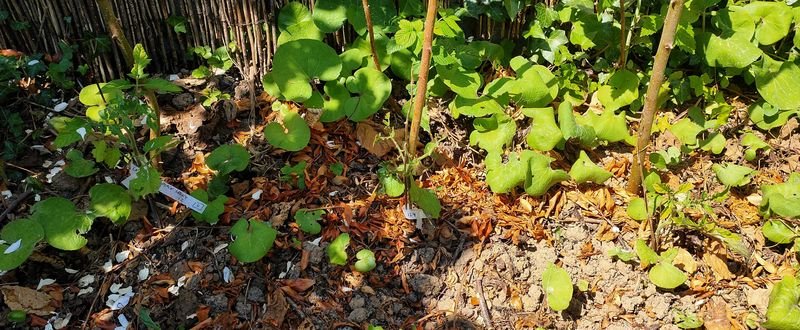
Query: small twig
13,205
294,304
482,300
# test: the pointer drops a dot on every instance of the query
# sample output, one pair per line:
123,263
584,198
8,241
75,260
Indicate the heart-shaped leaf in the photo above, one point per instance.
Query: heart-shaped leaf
759,115
753,143
337,250
777,231
111,201
373,89
557,286
20,237
621,89
783,312
665,275
95,101
608,126
462,82
391,184
78,166
293,134
775,81
542,177
308,220
773,20
228,158
493,133
426,200
733,175
504,177
535,86
637,209
783,198
686,131
366,261
62,224
298,62
295,23
476,107
252,239
214,208
584,170
329,15
544,134
729,52
646,255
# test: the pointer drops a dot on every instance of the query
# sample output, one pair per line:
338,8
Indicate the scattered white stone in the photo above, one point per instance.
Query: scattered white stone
108,179
220,247
61,162
108,266
13,247
28,131
316,241
330,144
40,148
173,77
71,271
346,289
60,322
37,198
144,273
119,297
191,316
615,229
45,282
257,195
227,274
53,172
33,62
60,107
175,289
47,163
85,291
218,71
6,193
122,256
333,193
288,267
85,281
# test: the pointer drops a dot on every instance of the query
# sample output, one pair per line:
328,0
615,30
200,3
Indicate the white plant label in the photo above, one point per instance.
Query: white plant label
172,192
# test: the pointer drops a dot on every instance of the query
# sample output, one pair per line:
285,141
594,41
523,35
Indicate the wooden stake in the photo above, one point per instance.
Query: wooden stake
422,82
368,16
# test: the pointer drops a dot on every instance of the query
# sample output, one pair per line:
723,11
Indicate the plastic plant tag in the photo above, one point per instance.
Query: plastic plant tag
172,192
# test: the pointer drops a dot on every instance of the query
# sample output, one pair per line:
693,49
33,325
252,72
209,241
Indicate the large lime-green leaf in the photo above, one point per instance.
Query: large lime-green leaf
372,88
777,83
337,250
733,175
777,231
772,18
62,224
730,52
20,237
783,312
291,134
544,134
534,87
228,158
329,15
783,199
542,177
504,177
476,107
584,170
608,126
665,275
621,89
557,286
252,239
95,101
686,131
298,62
426,200
111,201
462,82
494,132
295,23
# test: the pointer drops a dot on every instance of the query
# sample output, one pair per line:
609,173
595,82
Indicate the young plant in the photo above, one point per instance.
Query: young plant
557,285
252,239
337,250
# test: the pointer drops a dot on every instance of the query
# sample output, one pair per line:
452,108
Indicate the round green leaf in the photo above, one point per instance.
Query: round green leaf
608,126
503,178
773,20
91,97
111,201
584,170
476,107
298,62
329,15
78,166
337,250
783,312
665,275
366,261
637,209
462,82
776,83
426,200
758,113
621,89
558,286
730,52
63,226
252,239
291,135
391,184
733,175
214,208
493,133
777,231
535,86
228,158
308,221
20,238
292,13
373,89
783,198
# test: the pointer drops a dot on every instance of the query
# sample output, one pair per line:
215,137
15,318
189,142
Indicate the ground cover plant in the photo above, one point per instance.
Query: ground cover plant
603,165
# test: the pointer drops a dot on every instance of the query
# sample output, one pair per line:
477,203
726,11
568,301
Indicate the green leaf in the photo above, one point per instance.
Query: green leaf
585,135
493,133
161,86
731,52
298,62
336,97
621,89
147,321
291,135
146,181
535,86
733,175
773,20
504,177
366,261
382,12
608,126
178,23
252,240
202,72
79,167
777,231
373,89
775,82
62,224
426,200
666,276
295,23
337,250
783,312
214,208
558,286
95,101
621,254
753,143
637,209
329,15
25,231
462,82
111,201
715,143
140,61
688,320
391,184
308,220
584,170
758,113
646,255
160,144
544,133
290,173
783,198
475,107
542,177
686,131
228,158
